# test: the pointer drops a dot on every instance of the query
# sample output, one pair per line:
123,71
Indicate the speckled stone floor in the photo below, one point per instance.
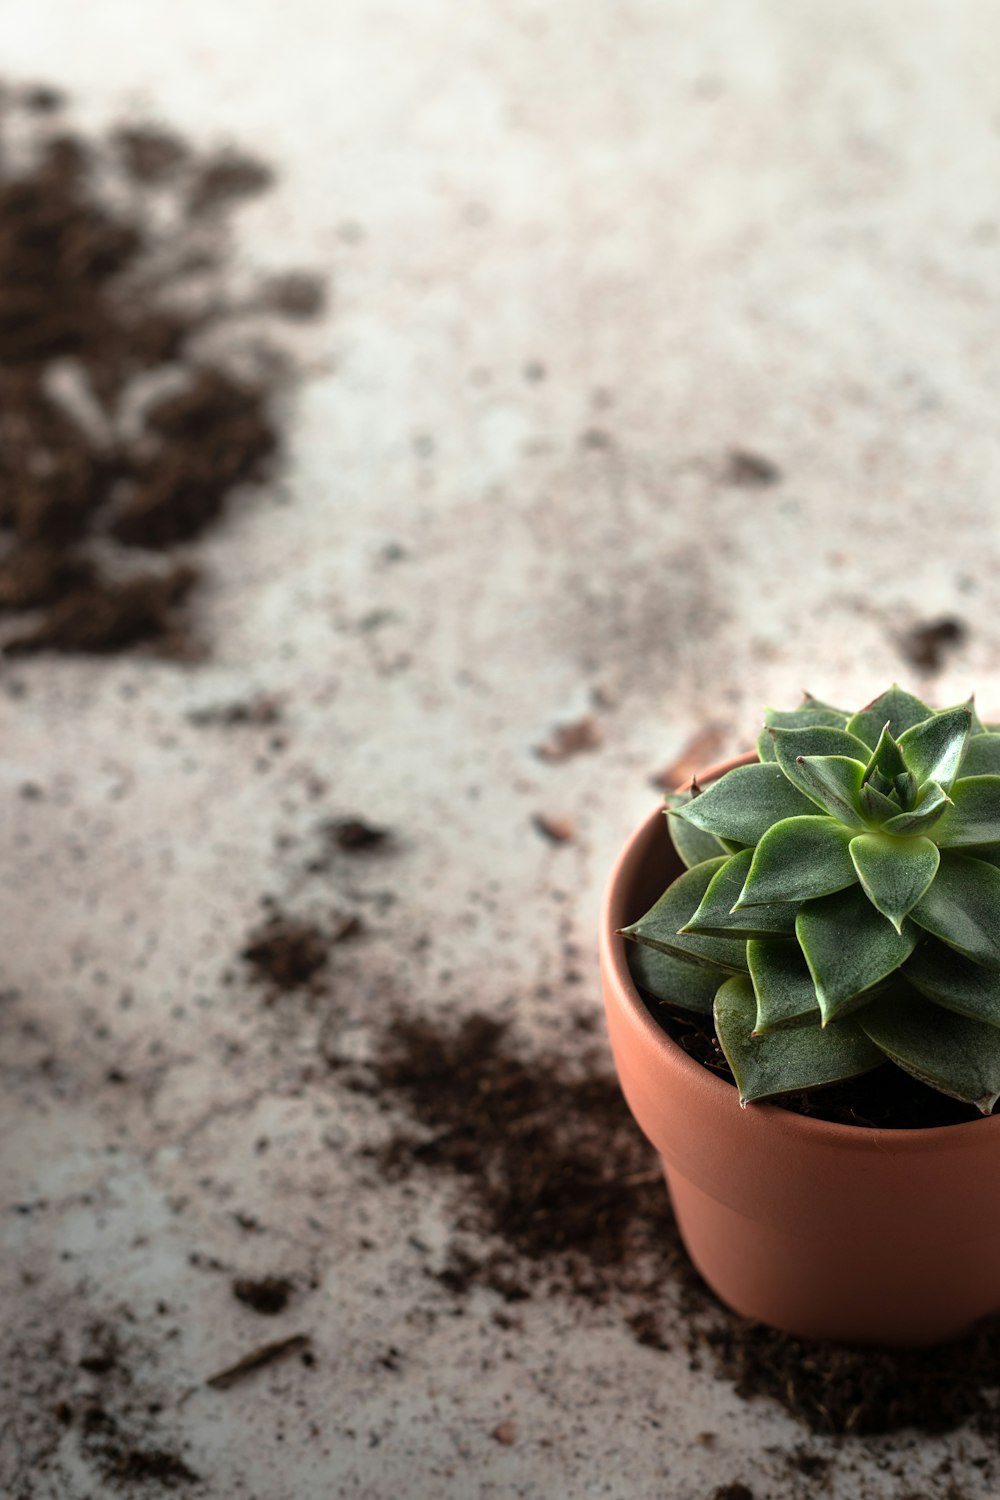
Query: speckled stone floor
580,254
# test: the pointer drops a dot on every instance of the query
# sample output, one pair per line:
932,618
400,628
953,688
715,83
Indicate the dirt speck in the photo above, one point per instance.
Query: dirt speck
285,952
356,835
267,1295
927,646
749,469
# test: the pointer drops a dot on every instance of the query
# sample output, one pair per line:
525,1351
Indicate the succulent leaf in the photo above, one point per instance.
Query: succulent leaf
962,907
716,916
933,750
660,927
886,758
808,701
693,844
783,1062
875,805
961,1059
791,746
786,995
849,947
687,985
924,816
974,817
835,785
982,755
797,860
745,803
898,709
894,872
953,981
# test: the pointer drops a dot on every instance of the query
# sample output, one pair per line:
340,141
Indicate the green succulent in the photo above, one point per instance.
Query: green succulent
840,905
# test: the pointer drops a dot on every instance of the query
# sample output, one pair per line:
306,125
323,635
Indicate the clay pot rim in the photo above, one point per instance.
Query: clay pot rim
717,1093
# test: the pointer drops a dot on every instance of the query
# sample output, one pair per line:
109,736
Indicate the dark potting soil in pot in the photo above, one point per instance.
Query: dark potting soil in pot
559,1194
886,1099
131,412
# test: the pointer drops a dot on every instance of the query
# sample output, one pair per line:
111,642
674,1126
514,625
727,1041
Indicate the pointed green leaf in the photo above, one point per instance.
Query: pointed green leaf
783,1062
786,995
982,755
933,750
791,745
975,816
808,715
660,927
674,980
953,1054
897,709
834,783
745,802
905,788
978,727
715,916
875,805
817,705
951,980
924,816
894,872
797,860
962,907
693,844
765,745
849,947
886,757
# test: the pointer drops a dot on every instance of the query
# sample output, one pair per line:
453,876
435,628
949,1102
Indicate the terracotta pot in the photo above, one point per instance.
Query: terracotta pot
827,1231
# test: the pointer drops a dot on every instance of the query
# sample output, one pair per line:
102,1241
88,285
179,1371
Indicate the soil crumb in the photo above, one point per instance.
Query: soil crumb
286,953
750,470
133,412
355,835
927,647
558,1193
268,1295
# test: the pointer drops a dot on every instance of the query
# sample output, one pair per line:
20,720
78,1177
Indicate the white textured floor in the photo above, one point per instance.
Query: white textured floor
754,224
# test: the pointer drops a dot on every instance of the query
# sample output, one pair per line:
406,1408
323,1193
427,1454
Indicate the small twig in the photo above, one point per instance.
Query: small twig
637,1179
256,1359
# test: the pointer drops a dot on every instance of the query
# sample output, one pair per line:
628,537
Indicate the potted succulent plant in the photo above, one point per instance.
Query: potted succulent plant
832,911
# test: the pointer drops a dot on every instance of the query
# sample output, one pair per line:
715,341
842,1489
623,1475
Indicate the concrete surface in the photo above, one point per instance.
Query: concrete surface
756,224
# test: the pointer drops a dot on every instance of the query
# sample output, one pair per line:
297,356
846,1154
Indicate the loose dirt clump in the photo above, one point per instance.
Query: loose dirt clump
927,646
132,413
286,953
560,1194
267,1295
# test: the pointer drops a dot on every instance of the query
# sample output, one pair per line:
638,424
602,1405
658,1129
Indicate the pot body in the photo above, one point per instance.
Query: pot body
826,1231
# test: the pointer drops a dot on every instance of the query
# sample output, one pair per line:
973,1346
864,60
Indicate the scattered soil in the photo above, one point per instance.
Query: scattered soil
355,836
751,470
287,953
89,1389
260,712
928,646
131,414
559,1193
733,1492
267,1295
